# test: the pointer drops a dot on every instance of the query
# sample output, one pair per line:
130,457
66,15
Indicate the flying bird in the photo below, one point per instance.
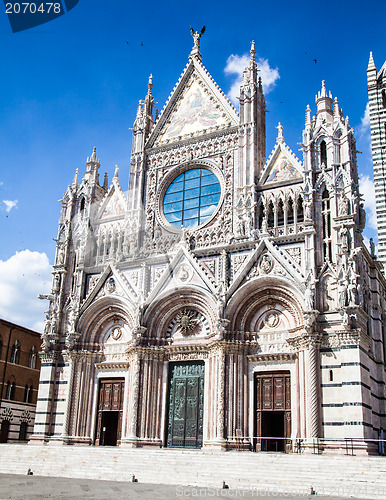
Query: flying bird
315,61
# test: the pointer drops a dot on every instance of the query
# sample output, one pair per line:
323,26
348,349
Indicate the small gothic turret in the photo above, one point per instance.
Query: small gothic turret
252,123
323,103
92,166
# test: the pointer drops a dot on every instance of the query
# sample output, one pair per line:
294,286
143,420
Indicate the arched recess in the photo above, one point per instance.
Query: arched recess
265,303
98,321
163,316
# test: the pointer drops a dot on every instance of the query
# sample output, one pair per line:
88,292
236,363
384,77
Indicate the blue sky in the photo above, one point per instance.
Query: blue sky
74,83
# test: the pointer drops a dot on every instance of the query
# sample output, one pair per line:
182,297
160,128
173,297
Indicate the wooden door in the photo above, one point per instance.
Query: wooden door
273,410
110,409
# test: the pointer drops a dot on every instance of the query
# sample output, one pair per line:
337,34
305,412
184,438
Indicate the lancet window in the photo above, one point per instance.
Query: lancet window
283,212
326,219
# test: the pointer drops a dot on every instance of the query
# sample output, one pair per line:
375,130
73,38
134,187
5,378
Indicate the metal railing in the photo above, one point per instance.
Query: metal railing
298,445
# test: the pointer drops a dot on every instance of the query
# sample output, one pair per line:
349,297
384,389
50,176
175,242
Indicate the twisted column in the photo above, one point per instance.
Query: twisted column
313,391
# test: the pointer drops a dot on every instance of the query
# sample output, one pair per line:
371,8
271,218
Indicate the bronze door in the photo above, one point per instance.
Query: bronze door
110,409
185,405
273,411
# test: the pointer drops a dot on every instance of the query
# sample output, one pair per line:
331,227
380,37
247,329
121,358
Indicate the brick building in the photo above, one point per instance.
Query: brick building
19,380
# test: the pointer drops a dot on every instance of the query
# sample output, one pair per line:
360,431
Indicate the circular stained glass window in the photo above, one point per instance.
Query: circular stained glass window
192,198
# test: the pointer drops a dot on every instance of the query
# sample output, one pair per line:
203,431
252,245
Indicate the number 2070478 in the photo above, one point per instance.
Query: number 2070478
33,8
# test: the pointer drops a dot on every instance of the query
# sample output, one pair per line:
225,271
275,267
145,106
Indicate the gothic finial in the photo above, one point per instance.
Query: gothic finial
196,37
308,116
253,51
336,108
106,182
93,156
371,65
280,137
150,84
116,172
75,181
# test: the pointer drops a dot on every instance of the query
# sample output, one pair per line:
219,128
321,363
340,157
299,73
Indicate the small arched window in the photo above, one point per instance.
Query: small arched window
323,153
82,206
280,213
300,210
15,353
326,218
271,216
32,358
10,392
28,393
384,98
260,214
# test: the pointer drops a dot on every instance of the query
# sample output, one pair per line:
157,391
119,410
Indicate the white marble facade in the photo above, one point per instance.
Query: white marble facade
259,282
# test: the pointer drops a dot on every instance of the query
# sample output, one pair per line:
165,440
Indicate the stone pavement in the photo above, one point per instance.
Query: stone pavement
15,486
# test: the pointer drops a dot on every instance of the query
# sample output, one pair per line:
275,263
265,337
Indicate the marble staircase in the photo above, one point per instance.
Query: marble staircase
332,475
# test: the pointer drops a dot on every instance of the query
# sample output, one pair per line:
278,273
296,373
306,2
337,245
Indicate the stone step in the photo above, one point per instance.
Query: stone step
358,476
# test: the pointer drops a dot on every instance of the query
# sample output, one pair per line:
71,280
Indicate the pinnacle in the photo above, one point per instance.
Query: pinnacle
371,65
253,51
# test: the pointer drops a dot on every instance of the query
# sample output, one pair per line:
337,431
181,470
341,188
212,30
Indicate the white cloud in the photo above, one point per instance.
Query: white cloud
1,183
9,205
364,127
236,65
23,277
367,189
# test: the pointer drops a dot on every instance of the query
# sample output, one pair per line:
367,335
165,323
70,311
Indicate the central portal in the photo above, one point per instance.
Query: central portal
185,404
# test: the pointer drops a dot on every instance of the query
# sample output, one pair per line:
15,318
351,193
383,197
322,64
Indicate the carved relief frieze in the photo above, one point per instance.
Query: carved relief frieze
211,266
237,262
295,253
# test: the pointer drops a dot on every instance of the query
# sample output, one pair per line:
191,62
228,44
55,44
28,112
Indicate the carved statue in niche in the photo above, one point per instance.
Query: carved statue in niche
342,292
240,226
343,235
330,294
308,210
157,232
352,293
264,226
309,297
344,205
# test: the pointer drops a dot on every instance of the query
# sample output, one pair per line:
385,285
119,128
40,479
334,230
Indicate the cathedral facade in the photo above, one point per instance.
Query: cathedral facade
228,301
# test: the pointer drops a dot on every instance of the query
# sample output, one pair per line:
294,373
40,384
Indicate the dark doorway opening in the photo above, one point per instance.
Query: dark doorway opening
272,411
4,431
272,427
110,411
109,433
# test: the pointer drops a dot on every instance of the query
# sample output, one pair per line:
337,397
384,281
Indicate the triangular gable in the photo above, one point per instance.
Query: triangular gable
114,204
123,287
196,105
282,166
183,270
285,262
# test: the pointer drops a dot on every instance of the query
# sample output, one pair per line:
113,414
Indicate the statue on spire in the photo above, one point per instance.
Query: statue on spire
196,37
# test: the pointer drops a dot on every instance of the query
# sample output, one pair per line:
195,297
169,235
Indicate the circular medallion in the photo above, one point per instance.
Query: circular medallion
266,263
271,319
110,285
116,334
183,273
